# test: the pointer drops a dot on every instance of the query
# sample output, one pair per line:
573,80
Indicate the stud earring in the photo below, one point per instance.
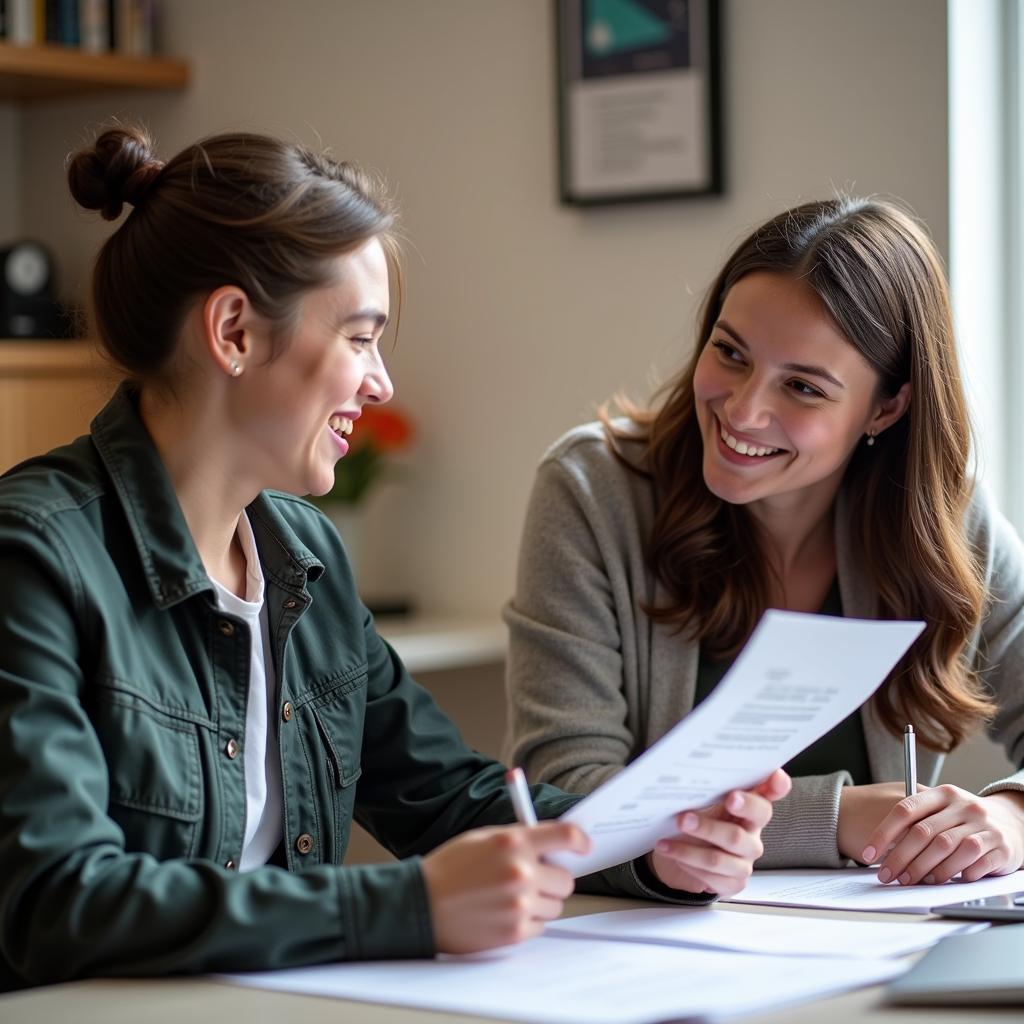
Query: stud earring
871,439
236,370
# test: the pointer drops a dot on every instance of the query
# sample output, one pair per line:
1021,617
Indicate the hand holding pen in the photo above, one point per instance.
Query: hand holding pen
491,887
935,834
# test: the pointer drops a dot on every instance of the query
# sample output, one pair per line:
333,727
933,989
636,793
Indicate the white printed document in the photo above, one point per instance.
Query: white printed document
797,677
860,889
551,980
783,935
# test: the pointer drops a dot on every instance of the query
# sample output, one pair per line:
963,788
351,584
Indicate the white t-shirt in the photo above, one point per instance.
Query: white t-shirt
261,756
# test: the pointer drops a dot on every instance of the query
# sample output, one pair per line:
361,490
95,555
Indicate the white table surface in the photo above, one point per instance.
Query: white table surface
435,642
198,1000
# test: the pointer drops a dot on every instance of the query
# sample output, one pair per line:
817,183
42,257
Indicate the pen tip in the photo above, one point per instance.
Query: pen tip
909,730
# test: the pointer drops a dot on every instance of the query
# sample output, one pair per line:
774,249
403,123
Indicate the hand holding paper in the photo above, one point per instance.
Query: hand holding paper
797,677
712,854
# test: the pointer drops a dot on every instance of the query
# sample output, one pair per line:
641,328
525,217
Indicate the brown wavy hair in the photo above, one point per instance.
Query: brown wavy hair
240,208
881,280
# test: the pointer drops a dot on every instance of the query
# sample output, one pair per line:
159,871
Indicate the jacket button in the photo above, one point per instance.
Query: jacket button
291,603
286,711
304,843
231,749
230,865
227,628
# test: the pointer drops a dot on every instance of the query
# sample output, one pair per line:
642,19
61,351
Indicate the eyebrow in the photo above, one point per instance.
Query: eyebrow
379,318
811,371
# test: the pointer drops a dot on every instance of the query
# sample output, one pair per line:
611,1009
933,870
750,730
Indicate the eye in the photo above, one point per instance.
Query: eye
805,390
727,352
362,339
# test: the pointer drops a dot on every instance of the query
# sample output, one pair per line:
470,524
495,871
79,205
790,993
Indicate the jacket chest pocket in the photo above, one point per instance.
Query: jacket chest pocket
153,763
336,741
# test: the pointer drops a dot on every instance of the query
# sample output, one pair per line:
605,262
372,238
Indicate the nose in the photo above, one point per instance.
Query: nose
749,407
377,386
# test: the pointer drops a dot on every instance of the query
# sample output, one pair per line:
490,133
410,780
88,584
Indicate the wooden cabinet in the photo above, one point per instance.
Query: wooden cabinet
48,72
49,392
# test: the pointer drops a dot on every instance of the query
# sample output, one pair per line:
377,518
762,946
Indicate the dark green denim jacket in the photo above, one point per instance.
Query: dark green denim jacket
122,717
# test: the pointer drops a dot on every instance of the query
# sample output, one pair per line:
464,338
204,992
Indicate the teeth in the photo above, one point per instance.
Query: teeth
742,448
340,424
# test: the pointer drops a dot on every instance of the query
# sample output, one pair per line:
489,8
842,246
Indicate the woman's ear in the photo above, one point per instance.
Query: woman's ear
228,322
890,410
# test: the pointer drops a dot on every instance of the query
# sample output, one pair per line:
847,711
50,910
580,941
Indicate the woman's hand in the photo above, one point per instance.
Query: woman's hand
489,887
717,847
939,833
861,809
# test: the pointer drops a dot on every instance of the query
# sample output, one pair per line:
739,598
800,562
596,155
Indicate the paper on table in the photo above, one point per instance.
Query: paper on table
551,980
797,677
859,889
711,928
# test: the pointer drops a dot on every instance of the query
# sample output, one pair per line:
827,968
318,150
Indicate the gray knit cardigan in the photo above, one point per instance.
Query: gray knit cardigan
592,681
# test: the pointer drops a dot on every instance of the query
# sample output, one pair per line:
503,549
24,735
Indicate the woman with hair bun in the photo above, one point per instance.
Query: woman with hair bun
194,705
812,456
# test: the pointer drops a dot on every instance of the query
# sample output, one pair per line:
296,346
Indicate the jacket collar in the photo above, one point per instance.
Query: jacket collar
173,568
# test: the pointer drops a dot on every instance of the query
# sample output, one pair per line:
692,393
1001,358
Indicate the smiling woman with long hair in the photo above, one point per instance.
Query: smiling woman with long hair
812,455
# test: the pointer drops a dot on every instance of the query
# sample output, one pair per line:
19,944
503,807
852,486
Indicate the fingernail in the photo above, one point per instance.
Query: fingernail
905,878
868,856
662,846
689,822
884,875
929,879
735,802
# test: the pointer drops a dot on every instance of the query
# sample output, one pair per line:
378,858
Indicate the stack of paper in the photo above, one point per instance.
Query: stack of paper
859,889
711,928
551,980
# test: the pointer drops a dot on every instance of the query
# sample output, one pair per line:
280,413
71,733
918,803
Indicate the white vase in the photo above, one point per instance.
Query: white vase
348,521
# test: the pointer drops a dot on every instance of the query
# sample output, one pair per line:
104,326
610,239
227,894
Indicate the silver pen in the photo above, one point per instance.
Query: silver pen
519,794
910,760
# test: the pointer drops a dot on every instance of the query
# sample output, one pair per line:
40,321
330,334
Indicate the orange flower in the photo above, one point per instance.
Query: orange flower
386,429
377,433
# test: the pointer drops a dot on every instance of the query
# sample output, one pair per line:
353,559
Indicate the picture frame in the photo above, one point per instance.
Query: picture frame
639,100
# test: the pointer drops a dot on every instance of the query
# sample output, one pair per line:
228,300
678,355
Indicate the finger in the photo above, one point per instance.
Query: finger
705,860
776,786
730,836
972,849
921,866
994,861
712,882
546,908
896,823
555,881
918,840
519,931
753,811
549,836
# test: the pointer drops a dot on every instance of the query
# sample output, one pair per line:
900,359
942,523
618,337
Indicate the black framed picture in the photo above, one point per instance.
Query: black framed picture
639,100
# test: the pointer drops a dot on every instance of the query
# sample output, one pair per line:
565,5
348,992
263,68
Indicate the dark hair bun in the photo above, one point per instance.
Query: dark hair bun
119,168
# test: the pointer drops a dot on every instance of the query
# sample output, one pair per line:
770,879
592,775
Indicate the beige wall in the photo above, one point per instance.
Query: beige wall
522,314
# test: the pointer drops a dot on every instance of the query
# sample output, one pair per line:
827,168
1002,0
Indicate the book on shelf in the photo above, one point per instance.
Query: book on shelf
93,26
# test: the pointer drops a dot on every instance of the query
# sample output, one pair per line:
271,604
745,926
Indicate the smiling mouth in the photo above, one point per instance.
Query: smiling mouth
341,425
743,447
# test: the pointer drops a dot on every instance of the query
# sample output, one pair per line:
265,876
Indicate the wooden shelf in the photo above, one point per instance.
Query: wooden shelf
46,72
49,391
45,358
